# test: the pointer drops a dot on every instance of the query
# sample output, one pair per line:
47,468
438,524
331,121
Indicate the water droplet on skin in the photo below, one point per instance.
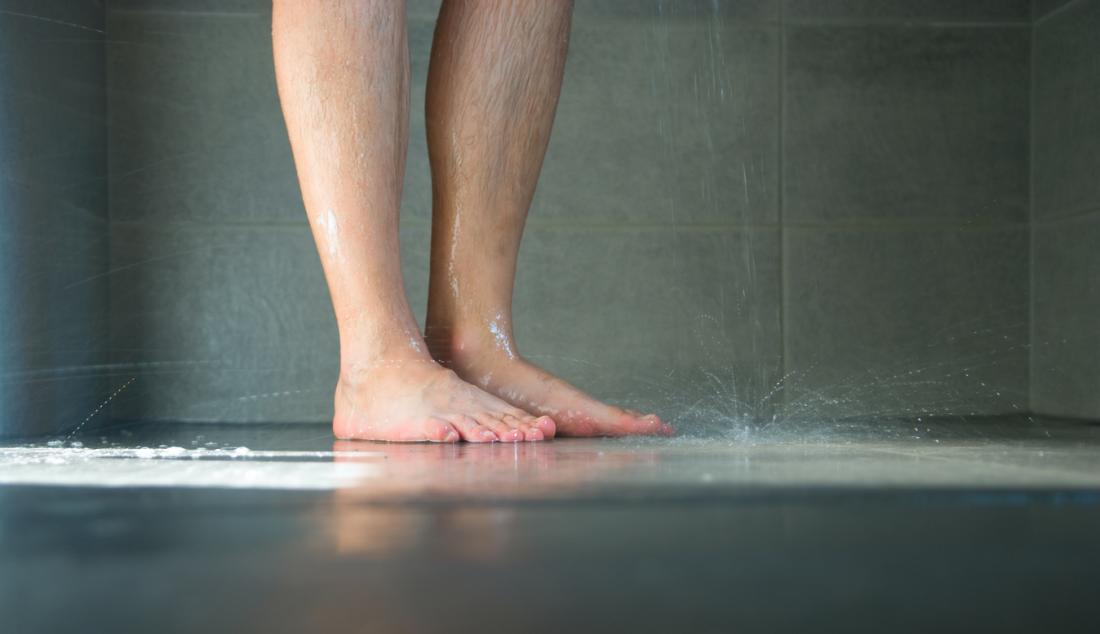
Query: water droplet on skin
327,222
500,336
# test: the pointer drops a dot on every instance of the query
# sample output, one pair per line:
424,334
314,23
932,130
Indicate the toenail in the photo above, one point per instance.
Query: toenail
488,435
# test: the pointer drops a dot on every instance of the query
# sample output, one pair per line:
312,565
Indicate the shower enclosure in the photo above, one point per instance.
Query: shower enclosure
848,248
752,212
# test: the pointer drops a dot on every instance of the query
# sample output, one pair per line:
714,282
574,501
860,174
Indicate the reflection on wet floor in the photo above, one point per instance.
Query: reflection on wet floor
993,453
280,528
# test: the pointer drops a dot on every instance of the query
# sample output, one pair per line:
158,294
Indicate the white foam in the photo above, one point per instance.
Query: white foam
179,467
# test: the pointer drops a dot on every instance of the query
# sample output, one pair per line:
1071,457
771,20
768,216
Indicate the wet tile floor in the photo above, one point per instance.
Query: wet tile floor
863,526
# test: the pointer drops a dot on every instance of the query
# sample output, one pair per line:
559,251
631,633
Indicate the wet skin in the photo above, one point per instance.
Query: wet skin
492,364
418,400
493,85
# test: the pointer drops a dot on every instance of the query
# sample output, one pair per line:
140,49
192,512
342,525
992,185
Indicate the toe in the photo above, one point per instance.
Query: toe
518,418
546,425
433,430
649,425
663,428
504,431
524,425
659,427
471,430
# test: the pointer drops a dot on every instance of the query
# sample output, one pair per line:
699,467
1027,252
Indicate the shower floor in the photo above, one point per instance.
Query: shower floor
990,524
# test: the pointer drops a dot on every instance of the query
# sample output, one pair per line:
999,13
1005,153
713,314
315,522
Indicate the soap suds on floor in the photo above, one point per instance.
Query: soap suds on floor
235,468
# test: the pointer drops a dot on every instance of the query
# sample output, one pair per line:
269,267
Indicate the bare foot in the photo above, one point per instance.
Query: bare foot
494,366
417,400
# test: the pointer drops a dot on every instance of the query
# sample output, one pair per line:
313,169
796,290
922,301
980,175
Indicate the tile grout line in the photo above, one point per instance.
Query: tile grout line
701,226
903,23
1074,215
107,187
1031,222
633,20
193,13
780,250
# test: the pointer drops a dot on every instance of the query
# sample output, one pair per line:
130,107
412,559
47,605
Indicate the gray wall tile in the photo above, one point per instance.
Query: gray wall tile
191,6
53,229
753,10
51,111
741,10
196,130
906,124
416,198
230,323
662,124
1067,112
665,122
892,322
53,314
911,10
235,323
638,278
685,322
675,122
422,9
70,15
1043,8
189,143
1065,371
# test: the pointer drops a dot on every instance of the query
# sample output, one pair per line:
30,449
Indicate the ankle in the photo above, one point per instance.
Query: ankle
357,366
471,345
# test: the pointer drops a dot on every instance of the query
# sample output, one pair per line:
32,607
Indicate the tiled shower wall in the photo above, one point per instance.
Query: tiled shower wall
53,215
905,202
1065,378
828,196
